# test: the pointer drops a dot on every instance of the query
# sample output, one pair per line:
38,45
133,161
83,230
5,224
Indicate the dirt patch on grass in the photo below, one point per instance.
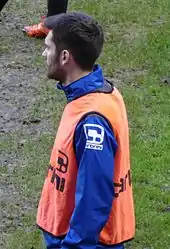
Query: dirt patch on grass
19,90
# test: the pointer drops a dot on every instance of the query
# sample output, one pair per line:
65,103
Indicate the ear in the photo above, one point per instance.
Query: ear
64,57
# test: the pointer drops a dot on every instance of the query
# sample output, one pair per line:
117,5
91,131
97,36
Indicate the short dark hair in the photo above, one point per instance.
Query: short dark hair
80,34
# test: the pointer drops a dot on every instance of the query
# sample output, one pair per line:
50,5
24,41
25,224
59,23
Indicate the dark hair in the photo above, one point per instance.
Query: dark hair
80,34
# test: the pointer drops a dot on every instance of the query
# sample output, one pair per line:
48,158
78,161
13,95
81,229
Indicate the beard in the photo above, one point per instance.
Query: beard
56,72
54,69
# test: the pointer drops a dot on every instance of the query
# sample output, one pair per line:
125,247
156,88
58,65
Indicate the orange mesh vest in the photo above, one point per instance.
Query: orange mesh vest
57,199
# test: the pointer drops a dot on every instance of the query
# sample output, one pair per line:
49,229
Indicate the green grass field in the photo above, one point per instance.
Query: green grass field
136,57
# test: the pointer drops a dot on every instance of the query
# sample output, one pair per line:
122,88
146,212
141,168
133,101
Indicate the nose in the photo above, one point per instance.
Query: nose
44,53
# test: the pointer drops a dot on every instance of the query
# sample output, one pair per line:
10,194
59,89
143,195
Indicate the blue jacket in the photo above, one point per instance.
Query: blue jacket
88,220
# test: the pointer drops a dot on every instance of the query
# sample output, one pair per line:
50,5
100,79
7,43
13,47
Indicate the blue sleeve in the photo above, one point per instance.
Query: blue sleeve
95,147
51,241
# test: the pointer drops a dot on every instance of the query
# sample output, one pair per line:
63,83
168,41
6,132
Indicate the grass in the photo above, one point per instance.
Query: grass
137,52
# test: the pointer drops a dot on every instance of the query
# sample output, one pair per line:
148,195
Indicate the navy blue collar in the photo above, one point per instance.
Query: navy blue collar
88,84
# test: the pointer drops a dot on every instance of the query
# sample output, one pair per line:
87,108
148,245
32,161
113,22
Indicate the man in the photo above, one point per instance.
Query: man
86,201
54,7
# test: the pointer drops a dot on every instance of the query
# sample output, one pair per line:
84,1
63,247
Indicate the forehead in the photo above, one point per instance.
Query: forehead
48,39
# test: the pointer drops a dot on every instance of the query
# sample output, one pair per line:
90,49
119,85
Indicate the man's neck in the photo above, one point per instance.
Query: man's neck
74,76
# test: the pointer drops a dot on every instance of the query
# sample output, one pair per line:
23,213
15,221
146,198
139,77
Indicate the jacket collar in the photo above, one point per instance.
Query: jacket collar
88,84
